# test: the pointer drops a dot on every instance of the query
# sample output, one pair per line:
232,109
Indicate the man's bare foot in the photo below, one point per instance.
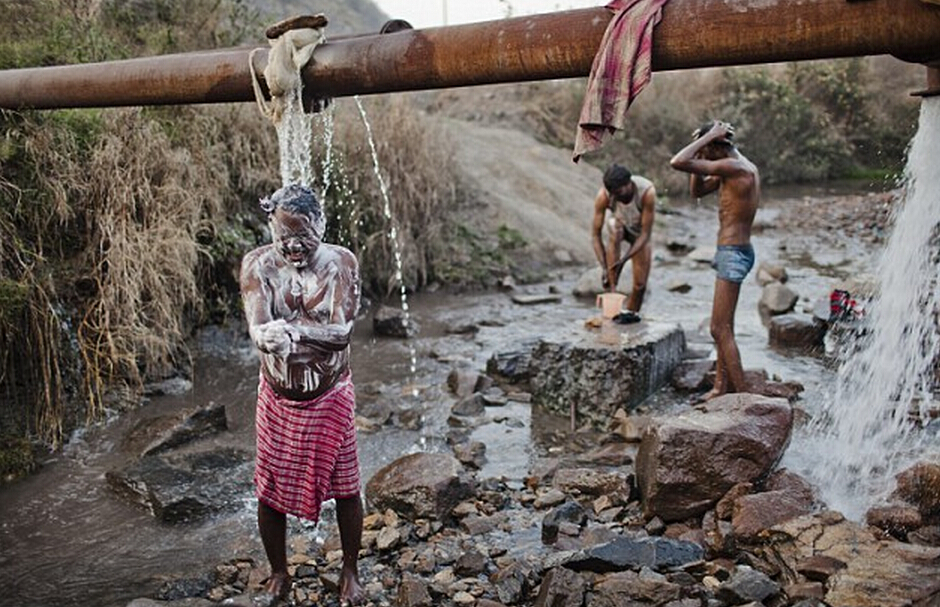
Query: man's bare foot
350,592
276,589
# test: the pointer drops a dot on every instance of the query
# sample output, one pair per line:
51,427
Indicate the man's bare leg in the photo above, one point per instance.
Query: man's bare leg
613,256
273,527
349,517
729,375
719,387
642,260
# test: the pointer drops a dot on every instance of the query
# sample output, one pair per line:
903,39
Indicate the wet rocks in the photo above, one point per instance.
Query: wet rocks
597,377
614,485
692,375
513,365
413,593
768,273
185,487
632,588
746,585
561,588
469,406
628,553
896,520
686,463
776,299
481,555
464,382
177,484
568,514
204,421
756,512
393,322
420,485
919,485
800,332
471,454
876,571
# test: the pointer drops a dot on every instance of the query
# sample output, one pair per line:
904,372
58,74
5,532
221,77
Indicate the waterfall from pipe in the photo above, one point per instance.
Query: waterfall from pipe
871,426
294,135
393,236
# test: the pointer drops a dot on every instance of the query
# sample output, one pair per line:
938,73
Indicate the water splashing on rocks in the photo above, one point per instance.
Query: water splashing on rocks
870,425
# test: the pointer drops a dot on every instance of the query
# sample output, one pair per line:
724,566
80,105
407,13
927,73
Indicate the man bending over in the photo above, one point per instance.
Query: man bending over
631,201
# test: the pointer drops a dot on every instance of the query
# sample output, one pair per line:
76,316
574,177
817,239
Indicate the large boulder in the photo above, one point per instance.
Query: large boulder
185,487
866,571
686,463
420,485
600,372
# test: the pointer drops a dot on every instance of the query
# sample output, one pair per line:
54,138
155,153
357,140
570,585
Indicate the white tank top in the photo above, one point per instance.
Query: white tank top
630,213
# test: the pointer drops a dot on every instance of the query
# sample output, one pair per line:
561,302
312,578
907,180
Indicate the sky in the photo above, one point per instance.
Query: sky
433,13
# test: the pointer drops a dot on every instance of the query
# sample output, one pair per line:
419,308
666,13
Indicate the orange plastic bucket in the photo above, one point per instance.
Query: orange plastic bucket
611,304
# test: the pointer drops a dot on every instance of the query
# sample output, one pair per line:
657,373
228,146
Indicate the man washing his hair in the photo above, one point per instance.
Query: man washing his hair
716,164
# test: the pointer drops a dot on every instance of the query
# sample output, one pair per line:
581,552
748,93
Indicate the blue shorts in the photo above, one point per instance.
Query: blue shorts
733,261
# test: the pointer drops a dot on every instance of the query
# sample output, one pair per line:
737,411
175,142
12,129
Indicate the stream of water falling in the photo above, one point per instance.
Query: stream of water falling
295,136
865,434
393,234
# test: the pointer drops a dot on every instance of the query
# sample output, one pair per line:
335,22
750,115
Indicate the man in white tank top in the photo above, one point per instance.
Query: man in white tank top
631,201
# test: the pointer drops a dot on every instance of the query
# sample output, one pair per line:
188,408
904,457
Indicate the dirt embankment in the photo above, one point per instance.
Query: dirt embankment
527,186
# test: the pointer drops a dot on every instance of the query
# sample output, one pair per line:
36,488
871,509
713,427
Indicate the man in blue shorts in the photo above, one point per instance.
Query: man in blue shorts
716,164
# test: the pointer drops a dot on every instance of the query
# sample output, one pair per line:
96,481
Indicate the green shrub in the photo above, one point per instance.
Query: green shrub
781,129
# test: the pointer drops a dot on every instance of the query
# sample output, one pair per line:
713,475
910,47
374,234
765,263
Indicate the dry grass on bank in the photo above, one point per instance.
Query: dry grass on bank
125,217
128,221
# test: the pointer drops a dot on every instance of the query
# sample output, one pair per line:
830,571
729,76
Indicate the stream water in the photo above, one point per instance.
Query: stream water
66,539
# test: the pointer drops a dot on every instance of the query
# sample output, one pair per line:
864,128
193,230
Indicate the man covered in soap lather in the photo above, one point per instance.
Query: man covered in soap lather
301,296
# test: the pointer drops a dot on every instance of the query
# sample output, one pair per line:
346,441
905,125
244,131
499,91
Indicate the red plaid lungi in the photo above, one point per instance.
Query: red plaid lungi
306,451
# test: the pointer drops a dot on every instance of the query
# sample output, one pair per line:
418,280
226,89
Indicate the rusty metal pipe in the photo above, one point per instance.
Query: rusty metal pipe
692,34
933,82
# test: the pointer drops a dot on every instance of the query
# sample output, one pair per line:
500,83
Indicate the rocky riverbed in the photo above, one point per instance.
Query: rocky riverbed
510,503
666,504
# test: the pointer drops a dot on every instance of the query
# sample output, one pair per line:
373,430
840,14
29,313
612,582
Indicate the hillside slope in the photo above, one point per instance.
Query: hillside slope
528,186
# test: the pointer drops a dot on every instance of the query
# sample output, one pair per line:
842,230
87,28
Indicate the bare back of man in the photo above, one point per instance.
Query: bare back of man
716,165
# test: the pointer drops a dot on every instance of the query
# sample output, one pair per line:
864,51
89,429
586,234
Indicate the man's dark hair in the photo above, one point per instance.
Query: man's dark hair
616,176
707,127
297,199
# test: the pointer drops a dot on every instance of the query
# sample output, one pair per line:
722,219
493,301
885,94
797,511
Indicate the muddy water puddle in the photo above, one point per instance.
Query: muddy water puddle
66,539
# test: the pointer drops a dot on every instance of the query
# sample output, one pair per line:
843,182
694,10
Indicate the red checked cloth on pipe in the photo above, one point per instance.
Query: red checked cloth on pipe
620,71
306,450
